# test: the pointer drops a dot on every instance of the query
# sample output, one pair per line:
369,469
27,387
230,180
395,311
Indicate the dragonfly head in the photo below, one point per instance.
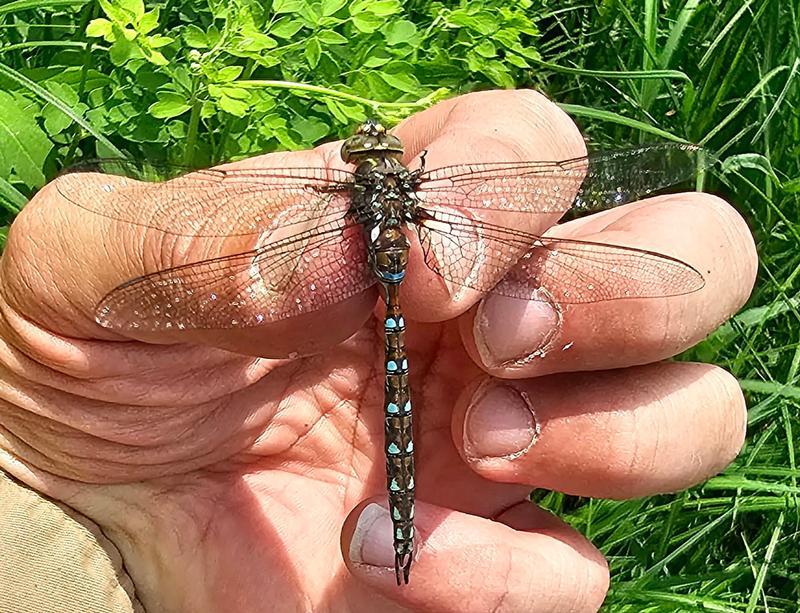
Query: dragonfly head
371,140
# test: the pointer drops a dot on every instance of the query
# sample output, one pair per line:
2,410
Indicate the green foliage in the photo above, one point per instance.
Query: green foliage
26,144
202,81
206,80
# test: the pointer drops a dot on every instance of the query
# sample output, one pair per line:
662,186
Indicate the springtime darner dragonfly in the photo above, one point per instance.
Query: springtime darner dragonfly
339,232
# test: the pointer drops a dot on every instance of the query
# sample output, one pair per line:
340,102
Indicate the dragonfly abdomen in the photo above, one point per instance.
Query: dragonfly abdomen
389,257
398,436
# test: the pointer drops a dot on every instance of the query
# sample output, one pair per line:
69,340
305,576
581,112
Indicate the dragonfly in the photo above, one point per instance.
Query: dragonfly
324,235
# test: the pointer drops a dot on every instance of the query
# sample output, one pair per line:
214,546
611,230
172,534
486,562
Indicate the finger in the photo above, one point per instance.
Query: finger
517,338
61,260
524,560
613,434
494,126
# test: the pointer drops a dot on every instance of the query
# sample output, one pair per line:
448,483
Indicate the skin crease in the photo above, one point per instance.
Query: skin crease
234,483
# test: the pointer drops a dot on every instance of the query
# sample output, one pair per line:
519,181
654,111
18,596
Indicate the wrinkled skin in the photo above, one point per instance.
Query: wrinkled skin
234,483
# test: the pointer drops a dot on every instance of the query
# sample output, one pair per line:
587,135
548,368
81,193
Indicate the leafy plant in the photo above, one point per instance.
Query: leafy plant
198,82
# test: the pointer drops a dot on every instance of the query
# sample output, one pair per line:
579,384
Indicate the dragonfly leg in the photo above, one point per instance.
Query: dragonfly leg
417,172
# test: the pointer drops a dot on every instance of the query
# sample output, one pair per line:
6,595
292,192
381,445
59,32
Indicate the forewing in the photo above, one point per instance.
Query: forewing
299,274
215,202
597,181
490,258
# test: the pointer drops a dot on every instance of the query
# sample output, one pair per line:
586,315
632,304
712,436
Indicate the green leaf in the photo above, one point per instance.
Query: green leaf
287,6
252,40
310,14
169,105
23,145
329,7
486,49
286,27
333,107
499,74
516,60
233,106
367,22
263,102
400,76
11,199
330,37
122,113
229,73
155,57
483,23
177,129
100,28
134,7
121,51
214,35
149,21
381,8
54,120
118,14
400,32
377,59
195,37
157,41
311,129
355,112
312,52
229,91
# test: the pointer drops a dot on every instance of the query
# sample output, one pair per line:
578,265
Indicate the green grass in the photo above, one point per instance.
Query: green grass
720,73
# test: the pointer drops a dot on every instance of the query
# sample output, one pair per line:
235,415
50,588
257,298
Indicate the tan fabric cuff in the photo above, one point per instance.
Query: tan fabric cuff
53,560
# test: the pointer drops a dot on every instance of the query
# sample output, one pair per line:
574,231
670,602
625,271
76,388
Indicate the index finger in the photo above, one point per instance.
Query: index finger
515,338
491,126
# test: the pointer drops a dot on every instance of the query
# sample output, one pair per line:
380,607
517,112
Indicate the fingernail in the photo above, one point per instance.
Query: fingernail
512,330
500,422
372,538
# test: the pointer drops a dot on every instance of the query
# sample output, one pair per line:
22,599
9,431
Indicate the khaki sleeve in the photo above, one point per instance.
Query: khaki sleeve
53,560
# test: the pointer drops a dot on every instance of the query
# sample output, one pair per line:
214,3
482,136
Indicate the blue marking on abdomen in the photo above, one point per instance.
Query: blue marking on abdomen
392,277
391,324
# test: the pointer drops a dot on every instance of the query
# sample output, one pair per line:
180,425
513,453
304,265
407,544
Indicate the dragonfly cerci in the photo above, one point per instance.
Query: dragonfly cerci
342,231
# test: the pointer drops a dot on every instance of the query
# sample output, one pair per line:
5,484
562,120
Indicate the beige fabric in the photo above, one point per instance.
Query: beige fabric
53,560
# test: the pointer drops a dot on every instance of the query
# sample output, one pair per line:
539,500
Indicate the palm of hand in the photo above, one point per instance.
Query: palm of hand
305,447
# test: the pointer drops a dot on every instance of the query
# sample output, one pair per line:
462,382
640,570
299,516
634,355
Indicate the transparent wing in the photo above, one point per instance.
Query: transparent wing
214,202
597,181
490,258
298,274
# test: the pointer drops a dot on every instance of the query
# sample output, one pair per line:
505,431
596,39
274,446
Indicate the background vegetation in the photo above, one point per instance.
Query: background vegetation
198,81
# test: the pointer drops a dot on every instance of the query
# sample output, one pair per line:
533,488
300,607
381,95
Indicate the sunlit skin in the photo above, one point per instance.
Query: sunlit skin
233,483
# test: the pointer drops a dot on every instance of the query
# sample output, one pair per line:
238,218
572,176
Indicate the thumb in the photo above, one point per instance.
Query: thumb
79,239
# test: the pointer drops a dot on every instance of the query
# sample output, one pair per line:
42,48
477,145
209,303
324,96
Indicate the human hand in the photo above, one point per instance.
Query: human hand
227,482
